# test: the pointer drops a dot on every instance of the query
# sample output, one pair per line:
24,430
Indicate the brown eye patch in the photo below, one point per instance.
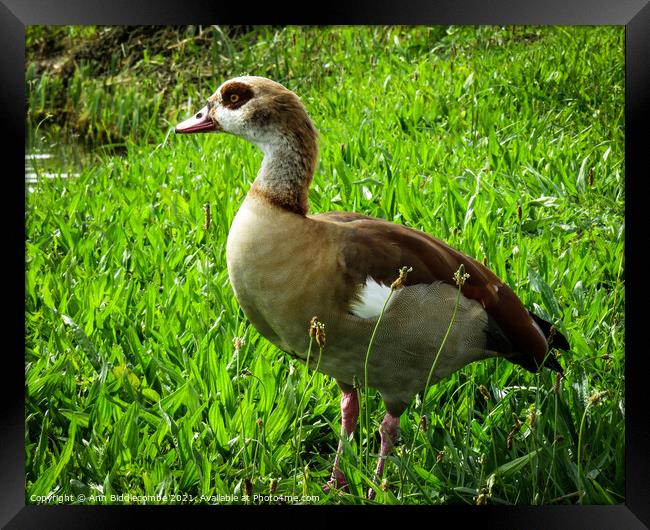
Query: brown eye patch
235,94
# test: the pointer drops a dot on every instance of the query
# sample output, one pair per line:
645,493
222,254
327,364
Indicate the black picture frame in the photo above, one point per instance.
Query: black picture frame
633,14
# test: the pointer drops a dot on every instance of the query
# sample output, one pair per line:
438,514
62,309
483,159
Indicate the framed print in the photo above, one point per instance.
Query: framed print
380,260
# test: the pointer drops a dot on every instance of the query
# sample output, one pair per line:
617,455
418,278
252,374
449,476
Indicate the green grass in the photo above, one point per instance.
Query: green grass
508,144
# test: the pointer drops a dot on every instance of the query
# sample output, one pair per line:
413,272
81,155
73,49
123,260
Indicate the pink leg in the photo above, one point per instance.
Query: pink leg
349,418
389,432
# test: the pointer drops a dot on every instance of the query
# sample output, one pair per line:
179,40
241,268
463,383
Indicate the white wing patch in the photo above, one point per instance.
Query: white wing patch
370,300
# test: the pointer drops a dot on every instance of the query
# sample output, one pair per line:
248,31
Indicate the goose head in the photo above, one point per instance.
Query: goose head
274,119
257,109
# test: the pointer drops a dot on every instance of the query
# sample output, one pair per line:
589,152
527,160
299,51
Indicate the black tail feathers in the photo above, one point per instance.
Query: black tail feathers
555,339
552,363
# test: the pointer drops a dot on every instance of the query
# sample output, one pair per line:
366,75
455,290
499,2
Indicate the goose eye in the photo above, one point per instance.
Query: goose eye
234,98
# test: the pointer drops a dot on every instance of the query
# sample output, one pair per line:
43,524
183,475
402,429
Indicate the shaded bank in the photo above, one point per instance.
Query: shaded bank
100,83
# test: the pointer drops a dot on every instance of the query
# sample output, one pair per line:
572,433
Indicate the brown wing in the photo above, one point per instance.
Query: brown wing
377,248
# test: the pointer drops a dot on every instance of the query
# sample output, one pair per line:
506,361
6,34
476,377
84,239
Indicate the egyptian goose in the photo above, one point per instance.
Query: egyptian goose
287,266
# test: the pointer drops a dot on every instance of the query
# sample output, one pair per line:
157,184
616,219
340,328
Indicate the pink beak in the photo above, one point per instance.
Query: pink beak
200,122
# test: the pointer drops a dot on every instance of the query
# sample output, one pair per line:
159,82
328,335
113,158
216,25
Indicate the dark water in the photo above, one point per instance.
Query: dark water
48,156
